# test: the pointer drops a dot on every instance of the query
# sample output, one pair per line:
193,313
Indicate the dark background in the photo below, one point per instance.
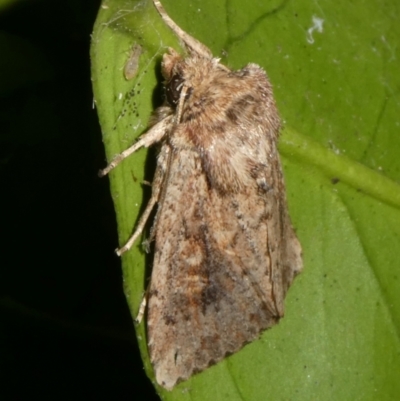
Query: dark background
66,332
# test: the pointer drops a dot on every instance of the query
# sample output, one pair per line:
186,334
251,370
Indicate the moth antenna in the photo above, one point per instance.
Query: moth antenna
193,45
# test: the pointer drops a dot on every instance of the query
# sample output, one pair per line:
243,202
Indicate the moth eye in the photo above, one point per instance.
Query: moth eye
173,89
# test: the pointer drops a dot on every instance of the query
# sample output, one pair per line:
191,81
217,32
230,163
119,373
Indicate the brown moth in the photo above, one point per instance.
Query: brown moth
225,250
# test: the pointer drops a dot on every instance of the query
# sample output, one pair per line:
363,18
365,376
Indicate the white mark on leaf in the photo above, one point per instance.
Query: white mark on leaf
317,26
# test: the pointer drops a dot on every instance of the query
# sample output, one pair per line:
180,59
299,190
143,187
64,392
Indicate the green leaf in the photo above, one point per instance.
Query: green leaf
334,67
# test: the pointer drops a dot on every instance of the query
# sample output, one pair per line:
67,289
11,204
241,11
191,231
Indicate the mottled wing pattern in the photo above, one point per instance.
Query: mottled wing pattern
219,276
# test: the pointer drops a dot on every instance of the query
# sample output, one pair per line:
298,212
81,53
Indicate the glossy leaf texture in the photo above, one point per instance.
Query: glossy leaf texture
334,67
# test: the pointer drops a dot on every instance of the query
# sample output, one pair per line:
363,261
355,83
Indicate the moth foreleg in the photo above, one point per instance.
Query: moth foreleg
154,135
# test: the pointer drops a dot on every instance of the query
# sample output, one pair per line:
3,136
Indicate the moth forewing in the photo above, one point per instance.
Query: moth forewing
225,249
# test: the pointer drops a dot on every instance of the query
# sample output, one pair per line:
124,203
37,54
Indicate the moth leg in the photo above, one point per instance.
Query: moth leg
155,195
142,307
155,134
142,223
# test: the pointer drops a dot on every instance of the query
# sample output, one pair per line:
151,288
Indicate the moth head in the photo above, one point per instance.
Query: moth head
173,89
172,70
170,60
182,75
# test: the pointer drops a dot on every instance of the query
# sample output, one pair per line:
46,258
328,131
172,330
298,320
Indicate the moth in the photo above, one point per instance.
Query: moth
225,250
